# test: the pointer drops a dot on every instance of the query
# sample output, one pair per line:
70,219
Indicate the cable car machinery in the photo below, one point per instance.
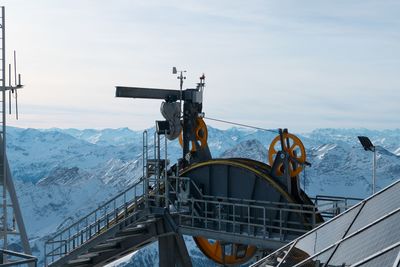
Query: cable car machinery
234,180
234,208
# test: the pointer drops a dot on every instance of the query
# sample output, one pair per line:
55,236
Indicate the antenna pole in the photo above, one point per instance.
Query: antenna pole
181,78
11,213
16,84
374,171
3,93
180,86
16,104
9,91
15,68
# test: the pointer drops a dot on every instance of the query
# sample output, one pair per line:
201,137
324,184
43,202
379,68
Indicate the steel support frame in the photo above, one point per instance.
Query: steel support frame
3,130
7,181
260,241
15,205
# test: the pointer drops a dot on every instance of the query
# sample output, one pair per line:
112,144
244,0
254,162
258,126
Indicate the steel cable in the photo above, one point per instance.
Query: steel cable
243,125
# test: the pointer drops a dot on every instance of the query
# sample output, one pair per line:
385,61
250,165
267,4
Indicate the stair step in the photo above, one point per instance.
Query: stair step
140,229
89,255
104,247
116,239
79,261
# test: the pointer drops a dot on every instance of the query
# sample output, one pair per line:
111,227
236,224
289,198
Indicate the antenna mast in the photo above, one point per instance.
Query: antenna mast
3,129
181,78
11,222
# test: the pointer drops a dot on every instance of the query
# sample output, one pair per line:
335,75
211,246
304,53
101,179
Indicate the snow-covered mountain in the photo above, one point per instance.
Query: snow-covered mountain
62,174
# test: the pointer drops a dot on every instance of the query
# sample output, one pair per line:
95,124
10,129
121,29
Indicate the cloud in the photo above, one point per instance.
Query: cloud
300,64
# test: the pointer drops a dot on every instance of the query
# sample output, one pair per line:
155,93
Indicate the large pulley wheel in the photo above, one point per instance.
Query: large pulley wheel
293,146
201,136
238,179
225,253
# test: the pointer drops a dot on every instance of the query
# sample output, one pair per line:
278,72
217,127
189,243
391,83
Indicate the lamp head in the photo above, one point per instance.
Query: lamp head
366,143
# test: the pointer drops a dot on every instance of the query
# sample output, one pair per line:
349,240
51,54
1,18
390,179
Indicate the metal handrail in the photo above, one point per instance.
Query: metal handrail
259,201
326,197
237,223
337,199
58,251
233,204
99,208
93,223
231,199
335,204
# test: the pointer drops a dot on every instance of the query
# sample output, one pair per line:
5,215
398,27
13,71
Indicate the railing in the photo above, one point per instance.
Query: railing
262,220
330,206
94,223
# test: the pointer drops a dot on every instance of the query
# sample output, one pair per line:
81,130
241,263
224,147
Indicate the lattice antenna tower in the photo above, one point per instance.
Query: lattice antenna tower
11,223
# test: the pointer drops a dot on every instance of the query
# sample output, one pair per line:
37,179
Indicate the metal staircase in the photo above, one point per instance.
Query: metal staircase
130,220
158,207
120,225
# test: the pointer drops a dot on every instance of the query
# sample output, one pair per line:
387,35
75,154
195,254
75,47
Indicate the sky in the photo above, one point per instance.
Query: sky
295,64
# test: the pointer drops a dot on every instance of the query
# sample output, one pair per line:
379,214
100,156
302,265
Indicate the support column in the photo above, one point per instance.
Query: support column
166,251
374,171
172,251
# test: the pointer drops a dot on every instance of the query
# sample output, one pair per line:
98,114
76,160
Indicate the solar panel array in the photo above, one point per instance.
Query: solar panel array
366,235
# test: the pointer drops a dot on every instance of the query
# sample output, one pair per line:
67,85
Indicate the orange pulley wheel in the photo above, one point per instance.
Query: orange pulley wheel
201,135
294,147
226,254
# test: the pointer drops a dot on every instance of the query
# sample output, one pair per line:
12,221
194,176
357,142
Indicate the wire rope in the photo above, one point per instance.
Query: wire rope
243,125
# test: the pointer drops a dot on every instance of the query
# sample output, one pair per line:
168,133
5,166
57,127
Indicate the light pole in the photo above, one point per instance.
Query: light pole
368,146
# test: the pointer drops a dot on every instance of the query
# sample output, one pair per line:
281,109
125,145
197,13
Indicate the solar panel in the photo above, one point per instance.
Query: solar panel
366,235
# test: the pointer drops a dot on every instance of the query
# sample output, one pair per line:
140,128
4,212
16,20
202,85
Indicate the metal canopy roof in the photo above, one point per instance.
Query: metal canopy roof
366,235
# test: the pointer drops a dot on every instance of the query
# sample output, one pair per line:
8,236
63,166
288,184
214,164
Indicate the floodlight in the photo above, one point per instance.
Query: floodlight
366,143
368,146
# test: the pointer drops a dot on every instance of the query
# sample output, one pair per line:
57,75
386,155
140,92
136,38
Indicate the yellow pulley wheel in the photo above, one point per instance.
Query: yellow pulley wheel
294,147
226,254
201,134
